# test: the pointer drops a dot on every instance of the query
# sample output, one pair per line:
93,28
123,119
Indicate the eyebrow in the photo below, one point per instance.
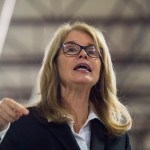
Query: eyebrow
73,42
70,42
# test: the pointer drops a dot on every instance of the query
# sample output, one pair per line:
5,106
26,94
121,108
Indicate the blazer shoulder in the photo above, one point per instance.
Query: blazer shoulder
31,117
31,132
28,133
118,142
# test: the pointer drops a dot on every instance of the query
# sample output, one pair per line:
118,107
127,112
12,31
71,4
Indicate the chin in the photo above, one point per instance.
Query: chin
88,82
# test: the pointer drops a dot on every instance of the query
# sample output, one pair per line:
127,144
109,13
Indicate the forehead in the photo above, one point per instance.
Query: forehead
79,37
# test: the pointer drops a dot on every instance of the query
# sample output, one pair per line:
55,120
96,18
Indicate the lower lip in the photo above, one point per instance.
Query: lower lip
83,70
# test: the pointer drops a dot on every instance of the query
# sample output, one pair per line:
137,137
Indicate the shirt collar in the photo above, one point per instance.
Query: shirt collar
92,115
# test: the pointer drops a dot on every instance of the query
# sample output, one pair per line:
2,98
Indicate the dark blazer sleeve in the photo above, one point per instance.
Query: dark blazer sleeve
100,140
118,142
25,134
128,144
29,133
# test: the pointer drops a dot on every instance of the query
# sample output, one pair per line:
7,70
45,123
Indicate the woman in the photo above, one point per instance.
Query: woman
78,107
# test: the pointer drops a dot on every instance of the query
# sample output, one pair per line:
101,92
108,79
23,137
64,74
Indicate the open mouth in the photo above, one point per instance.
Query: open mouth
83,66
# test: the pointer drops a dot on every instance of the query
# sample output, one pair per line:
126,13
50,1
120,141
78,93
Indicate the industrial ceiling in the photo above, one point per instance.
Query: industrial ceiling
126,27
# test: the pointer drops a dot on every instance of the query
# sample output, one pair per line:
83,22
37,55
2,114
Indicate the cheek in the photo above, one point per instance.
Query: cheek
64,68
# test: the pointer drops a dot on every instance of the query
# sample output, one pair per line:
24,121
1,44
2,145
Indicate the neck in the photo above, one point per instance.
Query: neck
76,102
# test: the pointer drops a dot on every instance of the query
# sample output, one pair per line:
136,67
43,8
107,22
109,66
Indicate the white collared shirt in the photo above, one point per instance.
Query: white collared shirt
2,133
84,135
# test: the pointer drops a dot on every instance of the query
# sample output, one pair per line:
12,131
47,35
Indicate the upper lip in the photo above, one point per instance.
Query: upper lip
85,65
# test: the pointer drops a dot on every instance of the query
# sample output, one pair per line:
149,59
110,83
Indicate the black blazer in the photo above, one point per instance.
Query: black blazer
30,133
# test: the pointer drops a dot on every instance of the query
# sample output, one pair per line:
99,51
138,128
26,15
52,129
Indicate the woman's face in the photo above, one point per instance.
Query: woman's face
78,69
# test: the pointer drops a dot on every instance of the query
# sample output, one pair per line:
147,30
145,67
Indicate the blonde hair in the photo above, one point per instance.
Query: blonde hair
103,96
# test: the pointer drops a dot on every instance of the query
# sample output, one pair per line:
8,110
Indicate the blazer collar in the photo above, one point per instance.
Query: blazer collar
63,133
98,135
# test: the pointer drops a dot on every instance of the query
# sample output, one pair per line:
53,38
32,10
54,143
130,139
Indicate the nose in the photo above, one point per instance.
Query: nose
82,54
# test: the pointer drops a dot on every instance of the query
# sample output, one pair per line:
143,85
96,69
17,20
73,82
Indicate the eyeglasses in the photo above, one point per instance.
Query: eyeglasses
74,49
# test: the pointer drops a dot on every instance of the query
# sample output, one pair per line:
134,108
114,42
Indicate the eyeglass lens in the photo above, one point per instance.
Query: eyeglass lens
74,49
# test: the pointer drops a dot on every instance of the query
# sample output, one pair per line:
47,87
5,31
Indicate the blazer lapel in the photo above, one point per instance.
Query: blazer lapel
98,137
63,133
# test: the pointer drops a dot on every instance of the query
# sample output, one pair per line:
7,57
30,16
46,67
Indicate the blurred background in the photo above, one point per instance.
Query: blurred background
126,27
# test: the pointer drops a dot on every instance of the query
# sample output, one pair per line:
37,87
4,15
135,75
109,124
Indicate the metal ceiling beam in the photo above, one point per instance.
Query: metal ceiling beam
132,56
74,6
37,59
40,7
137,7
22,93
119,7
134,93
25,93
109,21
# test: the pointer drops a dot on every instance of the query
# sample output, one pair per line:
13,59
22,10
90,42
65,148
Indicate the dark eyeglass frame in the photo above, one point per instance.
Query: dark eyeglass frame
81,48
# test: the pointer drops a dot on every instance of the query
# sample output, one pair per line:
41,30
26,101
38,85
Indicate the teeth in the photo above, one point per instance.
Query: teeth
81,69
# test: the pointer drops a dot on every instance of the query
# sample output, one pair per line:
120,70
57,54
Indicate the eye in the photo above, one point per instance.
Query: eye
92,51
71,48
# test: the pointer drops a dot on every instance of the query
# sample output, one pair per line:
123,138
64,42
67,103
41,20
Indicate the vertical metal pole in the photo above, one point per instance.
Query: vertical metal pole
5,18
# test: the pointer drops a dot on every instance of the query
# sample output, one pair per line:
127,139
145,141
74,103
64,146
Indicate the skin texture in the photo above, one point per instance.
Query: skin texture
66,63
76,84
